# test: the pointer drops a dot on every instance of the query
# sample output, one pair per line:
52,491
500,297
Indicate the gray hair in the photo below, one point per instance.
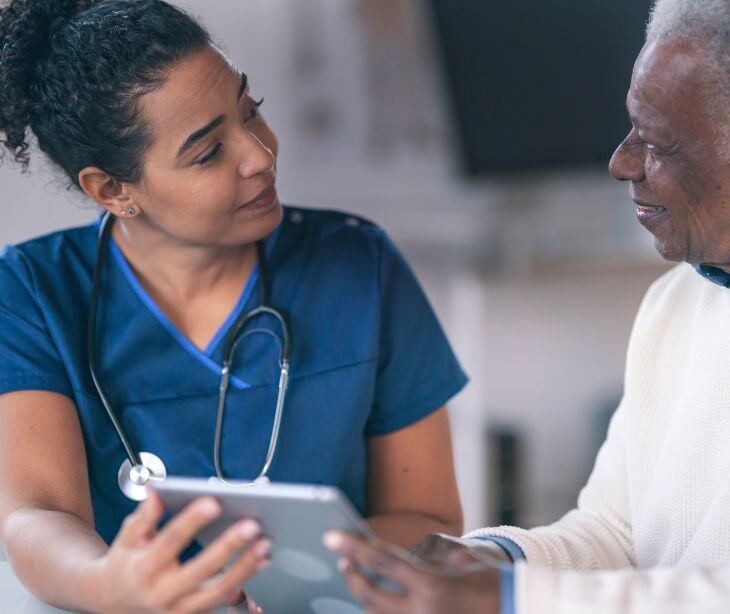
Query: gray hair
704,21
686,18
701,20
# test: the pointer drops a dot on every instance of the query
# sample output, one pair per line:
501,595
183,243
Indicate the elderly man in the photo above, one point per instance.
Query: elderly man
651,532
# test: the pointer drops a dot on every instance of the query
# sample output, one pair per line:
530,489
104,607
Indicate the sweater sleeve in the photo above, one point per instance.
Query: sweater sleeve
674,590
597,534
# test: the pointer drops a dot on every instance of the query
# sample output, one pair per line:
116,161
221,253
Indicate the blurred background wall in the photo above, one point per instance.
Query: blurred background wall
477,133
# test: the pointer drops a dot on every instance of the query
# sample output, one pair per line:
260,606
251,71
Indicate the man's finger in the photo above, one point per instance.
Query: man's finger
253,607
372,597
378,557
142,522
431,545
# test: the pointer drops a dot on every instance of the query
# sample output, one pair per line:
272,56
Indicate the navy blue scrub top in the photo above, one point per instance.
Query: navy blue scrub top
369,357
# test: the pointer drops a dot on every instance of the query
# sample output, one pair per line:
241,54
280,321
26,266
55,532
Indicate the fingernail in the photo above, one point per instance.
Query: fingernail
248,529
343,564
263,547
333,540
210,507
263,564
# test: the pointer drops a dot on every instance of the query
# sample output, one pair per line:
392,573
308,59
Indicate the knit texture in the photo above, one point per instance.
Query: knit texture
651,532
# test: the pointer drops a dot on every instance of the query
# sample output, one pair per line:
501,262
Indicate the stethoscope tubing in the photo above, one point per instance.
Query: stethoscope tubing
233,338
104,232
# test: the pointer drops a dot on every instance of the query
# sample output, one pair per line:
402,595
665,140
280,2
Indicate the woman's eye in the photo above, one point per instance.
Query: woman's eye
209,156
253,113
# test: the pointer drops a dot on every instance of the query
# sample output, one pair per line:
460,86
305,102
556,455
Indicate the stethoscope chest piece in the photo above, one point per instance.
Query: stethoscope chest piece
133,478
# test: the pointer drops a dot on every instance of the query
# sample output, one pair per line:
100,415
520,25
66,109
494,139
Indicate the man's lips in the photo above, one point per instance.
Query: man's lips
641,206
649,215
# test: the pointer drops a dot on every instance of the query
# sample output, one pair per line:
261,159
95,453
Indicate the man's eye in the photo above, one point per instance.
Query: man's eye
656,152
650,147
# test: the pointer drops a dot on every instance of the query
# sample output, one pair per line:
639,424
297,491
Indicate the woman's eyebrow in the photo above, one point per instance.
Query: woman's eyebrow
198,135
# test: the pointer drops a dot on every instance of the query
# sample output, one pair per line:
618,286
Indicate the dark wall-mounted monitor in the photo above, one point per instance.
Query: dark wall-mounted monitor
538,84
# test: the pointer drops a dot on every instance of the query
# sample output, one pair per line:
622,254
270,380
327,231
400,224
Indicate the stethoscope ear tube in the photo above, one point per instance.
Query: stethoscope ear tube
234,337
281,397
263,309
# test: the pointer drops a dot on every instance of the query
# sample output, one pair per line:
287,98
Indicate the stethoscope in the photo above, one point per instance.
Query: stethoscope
139,468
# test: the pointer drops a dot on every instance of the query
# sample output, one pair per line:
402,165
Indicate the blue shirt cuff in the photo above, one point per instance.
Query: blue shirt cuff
507,590
510,547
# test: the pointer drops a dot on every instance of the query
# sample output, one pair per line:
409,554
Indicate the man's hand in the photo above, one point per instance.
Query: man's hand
427,588
440,549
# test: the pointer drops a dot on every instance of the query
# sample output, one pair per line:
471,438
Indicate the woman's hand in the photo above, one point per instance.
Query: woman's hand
467,587
141,573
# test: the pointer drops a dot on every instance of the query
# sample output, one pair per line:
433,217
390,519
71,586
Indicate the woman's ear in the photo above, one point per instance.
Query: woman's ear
107,192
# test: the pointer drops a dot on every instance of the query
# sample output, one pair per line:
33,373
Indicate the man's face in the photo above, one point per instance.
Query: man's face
675,156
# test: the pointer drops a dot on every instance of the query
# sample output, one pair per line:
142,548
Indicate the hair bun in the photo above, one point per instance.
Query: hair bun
57,24
26,31
72,74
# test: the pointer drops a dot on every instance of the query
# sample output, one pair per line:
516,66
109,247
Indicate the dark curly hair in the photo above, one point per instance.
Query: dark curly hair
73,72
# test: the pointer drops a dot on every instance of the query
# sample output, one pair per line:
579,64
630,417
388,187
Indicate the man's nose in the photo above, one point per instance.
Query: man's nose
627,163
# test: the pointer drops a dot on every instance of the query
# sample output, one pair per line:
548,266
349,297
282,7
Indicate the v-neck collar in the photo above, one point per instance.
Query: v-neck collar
203,356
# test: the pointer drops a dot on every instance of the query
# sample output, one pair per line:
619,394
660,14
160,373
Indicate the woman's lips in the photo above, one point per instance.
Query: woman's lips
264,200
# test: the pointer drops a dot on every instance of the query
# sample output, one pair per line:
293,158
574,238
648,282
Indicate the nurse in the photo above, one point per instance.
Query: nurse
145,115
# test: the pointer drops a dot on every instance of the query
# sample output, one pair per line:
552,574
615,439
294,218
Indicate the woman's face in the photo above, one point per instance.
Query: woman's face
209,175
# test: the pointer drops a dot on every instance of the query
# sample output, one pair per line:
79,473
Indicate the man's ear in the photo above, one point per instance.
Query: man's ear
107,192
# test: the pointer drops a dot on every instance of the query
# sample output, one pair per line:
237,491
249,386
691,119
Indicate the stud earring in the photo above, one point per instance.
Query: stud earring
129,211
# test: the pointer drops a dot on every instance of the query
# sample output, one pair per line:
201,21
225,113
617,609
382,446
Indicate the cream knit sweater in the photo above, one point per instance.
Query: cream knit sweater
651,533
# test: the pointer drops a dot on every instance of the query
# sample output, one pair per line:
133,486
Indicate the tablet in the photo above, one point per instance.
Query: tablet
303,575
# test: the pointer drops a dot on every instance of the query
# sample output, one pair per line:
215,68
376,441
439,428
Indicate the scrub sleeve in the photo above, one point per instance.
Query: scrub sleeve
417,370
29,359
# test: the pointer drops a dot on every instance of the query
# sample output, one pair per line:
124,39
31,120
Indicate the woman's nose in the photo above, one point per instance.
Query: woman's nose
627,163
256,157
